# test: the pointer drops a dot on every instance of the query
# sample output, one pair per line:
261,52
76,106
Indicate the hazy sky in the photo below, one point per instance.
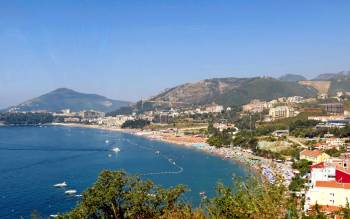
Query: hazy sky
128,49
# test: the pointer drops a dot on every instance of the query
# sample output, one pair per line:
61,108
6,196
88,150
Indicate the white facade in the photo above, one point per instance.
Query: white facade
322,174
281,112
327,195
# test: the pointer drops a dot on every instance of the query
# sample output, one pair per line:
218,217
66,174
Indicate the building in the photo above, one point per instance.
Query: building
280,112
281,133
214,108
327,193
333,108
314,156
327,118
91,114
256,106
295,99
114,121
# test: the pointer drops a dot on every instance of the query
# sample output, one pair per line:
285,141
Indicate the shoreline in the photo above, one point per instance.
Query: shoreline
267,168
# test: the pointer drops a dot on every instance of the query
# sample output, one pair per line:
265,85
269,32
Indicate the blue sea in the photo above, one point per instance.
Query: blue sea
33,159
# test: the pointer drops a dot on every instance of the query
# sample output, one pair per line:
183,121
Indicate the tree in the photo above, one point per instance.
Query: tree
116,195
249,199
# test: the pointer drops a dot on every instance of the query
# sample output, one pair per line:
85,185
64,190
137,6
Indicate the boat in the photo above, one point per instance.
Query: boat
107,141
116,149
70,192
53,215
157,152
60,185
109,155
79,196
203,195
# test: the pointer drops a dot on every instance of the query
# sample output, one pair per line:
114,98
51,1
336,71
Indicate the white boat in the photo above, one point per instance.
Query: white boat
116,149
107,141
53,215
60,185
109,155
70,192
78,196
157,152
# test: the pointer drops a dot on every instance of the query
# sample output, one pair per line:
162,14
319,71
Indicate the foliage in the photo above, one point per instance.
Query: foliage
136,124
26,118
250,199
297,184
333,152
303,166
125,110
116,195
245,139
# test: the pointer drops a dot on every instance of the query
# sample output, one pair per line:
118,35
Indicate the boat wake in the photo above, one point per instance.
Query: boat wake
180,169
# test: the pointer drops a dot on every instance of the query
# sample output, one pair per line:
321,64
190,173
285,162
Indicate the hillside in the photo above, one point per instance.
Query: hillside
339,81
292,77
64,98
233,91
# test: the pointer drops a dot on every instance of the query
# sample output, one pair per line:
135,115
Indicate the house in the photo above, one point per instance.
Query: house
256,106
314,156
328,193
280,112
214,108
334,108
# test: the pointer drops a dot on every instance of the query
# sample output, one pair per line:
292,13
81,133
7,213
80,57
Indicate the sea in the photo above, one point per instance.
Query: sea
34,158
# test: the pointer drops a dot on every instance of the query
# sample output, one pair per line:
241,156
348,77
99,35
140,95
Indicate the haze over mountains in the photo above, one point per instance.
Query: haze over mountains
225,91
64,98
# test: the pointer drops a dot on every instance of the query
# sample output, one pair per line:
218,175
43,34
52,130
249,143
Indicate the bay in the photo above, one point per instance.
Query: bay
34,158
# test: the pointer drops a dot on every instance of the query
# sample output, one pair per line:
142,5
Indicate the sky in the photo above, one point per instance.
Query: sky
131,49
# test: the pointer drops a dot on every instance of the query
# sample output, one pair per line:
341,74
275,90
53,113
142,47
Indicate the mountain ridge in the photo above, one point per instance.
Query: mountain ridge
65,98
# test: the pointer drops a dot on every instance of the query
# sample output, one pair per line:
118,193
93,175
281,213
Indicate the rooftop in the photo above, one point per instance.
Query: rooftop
310,153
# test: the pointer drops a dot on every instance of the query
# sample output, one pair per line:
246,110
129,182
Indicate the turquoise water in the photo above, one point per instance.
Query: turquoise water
32,159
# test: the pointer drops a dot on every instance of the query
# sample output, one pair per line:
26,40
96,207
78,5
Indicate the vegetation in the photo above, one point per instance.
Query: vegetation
125,110
303,166
117,195
297,184
136,124
63,98
26,118
263,89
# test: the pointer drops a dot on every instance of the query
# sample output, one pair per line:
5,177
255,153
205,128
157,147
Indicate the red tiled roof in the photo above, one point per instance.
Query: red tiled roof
314,153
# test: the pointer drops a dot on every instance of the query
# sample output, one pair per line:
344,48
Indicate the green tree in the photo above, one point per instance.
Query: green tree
249,199
116,195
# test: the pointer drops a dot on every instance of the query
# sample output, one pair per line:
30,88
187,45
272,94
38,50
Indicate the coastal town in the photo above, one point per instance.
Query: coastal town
304,141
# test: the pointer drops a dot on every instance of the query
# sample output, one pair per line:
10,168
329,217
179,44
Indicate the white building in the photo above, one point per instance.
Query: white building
327,193
214,108
280,112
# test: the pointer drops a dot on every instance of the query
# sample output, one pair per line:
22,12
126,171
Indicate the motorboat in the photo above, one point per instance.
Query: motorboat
116,149
70,192
157,152
53,215
60,185
107,141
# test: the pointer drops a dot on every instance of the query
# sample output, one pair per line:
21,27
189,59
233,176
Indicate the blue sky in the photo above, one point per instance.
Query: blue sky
128,49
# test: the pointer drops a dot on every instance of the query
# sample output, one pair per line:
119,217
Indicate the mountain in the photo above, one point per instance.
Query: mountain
64,98
292,77
233,91
339,81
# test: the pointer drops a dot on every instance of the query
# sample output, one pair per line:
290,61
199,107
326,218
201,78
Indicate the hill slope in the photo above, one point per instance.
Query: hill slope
292,77
64,98
233,91
339,81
